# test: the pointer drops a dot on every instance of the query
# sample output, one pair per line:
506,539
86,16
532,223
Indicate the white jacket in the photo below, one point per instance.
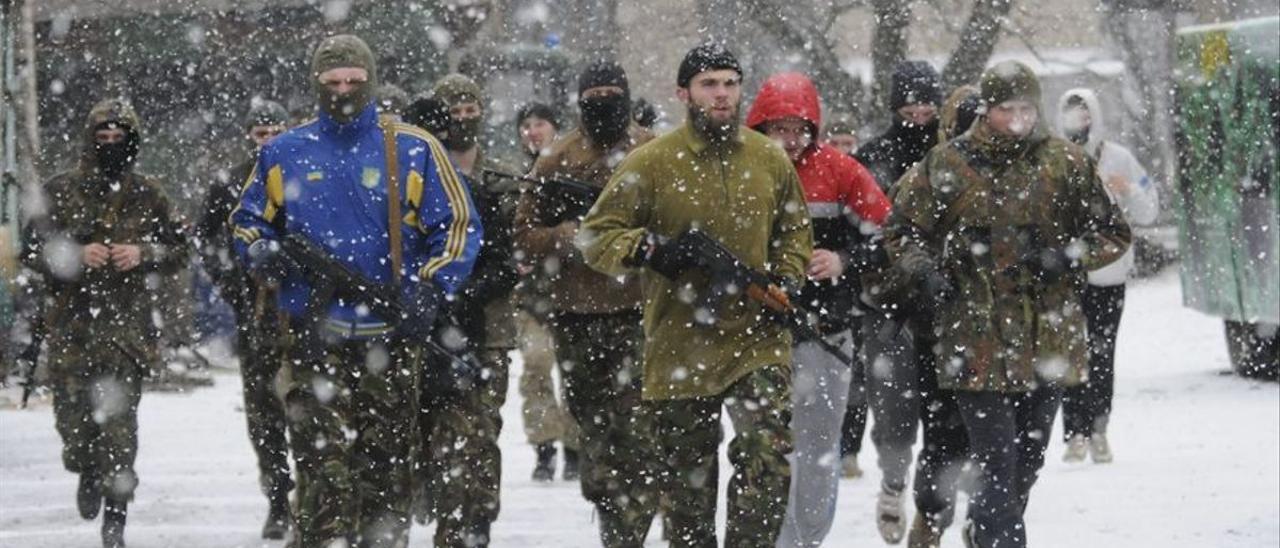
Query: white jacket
1140,204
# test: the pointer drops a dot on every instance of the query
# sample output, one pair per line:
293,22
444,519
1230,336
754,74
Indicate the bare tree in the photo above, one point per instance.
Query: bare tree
805,28
888,45
977,41
1143,32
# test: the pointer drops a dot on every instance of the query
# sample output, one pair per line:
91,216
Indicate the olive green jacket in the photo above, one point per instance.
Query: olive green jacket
976,205
743,192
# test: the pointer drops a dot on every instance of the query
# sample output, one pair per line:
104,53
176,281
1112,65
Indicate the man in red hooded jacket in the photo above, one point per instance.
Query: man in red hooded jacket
847,207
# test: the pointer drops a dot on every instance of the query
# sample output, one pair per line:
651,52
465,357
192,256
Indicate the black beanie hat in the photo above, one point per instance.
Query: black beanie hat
914,82
704,57
603,73
538,110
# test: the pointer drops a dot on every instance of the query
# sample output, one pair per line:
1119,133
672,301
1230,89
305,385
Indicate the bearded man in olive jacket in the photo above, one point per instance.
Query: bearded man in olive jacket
739,188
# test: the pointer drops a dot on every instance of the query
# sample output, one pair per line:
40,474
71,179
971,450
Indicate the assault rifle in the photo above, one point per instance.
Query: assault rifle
729,275
576,197
331,279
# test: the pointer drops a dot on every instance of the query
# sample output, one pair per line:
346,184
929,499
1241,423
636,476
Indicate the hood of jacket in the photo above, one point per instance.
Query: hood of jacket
107,111
958,112
1097,124
787,95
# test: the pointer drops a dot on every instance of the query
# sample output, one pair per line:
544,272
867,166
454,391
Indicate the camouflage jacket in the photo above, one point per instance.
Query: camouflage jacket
976,205
104,305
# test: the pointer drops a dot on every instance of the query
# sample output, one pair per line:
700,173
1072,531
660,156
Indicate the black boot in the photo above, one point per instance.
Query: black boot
89,495
545,470
113,517
570,465
477,536
278,517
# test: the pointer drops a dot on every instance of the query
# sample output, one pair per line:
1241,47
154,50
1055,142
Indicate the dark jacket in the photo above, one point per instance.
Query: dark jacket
891,154
483,306
214,241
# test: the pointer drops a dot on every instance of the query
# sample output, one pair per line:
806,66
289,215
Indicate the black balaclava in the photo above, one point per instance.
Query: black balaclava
914,82
113,159
344,51
605,119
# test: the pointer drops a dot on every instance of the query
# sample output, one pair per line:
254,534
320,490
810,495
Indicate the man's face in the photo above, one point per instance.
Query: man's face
792,134
109,135
918,114
713,98
536,134
844,142
262,133
1014,118
344,80
465,111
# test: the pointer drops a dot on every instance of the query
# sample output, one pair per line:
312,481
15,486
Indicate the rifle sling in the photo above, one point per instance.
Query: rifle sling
393,198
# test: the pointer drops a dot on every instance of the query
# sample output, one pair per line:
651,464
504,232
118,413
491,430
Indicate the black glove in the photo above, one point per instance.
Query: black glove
1046,265
451,366
419,305
868,255
266,259
932,281
463,373
670,258
937,288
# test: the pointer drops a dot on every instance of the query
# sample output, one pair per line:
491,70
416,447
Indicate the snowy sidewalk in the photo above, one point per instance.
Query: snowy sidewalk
1197,463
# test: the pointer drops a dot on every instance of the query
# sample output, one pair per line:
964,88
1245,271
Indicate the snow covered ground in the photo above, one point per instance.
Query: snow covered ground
1197,463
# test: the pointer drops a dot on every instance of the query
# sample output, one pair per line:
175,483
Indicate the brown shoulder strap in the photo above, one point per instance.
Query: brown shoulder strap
393,196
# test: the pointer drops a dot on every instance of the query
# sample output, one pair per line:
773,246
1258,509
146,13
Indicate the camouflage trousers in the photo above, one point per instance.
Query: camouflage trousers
351,428
459,462
260,361
95,405
688,436
546,420
598,356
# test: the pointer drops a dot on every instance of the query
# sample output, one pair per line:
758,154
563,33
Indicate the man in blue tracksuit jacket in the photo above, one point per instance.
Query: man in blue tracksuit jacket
350,376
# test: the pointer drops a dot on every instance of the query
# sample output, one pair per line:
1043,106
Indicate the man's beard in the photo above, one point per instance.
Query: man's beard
711,130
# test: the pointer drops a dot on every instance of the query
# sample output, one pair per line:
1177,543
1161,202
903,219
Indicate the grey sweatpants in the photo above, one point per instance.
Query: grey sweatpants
892,373
820,390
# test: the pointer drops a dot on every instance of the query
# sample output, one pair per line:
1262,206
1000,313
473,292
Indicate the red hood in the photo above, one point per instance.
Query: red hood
785,95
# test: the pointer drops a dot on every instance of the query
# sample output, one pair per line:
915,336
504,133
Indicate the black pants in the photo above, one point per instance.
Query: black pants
855,414
1085,408
1008,433
945,447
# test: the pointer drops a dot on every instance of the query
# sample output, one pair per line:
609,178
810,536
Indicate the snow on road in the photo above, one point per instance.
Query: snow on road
1197,463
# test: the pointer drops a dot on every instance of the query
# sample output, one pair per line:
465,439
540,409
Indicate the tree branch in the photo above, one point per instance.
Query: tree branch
981,33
